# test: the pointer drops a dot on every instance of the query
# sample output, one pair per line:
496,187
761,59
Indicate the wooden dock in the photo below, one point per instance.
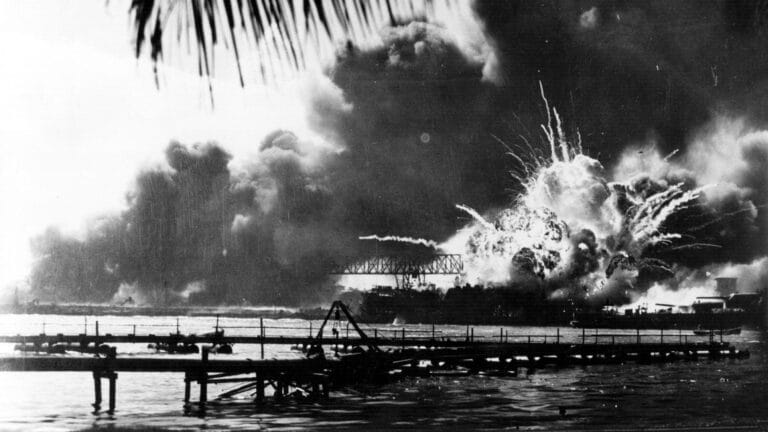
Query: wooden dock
372,360
399,338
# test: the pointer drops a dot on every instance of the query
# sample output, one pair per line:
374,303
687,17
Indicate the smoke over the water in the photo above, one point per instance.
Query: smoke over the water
197,231
598,203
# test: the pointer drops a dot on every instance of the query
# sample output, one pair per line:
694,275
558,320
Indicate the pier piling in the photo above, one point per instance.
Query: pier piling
203,378
187,382
96,390
259,389
261,325
112,376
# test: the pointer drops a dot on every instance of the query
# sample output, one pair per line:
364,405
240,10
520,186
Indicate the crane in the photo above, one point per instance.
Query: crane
405,268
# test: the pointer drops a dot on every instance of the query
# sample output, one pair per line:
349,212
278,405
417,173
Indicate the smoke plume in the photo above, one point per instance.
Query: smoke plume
598,204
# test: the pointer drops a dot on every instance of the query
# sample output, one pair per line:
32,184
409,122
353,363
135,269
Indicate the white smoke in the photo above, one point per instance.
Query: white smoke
660,295
475,215
416,241
751,277
127,292
690,284
192,288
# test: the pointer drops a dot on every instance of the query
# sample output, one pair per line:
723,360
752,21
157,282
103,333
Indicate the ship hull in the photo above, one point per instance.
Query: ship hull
682,321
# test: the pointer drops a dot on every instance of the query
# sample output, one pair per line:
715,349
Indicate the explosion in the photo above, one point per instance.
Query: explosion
575,231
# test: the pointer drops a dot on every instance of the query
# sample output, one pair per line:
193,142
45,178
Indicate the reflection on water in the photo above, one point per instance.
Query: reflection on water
693,394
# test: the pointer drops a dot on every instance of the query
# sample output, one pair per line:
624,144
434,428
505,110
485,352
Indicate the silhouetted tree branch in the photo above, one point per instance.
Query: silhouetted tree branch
281,30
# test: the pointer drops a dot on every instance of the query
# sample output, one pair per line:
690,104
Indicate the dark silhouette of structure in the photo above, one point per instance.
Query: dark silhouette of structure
405,268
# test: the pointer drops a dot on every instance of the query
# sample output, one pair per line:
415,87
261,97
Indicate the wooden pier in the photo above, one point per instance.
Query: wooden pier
399,338
372,360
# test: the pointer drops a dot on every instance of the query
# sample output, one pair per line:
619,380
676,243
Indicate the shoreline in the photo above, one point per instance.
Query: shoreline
203,311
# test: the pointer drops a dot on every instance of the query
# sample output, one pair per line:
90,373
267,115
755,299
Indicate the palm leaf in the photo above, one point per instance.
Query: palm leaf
275,26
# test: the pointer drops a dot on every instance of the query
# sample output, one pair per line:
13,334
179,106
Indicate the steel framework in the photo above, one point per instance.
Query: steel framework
404,267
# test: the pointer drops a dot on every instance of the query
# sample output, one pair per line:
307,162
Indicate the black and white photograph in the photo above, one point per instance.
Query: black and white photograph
382,215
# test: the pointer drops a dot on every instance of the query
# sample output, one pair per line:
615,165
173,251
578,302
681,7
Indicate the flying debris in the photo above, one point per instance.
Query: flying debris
475,215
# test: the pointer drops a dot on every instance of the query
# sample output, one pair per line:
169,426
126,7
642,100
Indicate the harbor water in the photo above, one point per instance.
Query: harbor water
716,394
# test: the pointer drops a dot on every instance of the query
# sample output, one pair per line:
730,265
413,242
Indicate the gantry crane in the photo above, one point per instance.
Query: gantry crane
405,268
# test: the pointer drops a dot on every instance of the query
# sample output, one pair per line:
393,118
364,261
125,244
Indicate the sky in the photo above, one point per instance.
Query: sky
81,116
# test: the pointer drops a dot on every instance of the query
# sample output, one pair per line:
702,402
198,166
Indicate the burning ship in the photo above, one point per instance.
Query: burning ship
706,312
578,236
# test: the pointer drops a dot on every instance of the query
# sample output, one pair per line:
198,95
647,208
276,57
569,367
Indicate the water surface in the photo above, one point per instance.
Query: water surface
701,394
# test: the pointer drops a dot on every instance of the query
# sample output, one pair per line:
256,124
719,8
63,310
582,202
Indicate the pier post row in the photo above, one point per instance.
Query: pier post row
373,360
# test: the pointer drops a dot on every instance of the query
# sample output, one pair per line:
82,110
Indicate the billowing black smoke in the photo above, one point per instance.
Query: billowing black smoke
264,236
415,141
410,125
623,70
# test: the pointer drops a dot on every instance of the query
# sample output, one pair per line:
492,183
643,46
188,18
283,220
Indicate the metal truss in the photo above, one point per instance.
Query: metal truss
404,267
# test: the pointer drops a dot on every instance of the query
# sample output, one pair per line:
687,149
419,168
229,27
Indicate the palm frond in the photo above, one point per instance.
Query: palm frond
280,32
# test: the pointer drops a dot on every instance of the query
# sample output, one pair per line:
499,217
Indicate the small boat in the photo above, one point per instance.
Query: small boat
705,332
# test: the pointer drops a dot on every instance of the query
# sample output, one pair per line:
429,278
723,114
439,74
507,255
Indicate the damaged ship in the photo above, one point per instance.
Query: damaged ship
711,312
